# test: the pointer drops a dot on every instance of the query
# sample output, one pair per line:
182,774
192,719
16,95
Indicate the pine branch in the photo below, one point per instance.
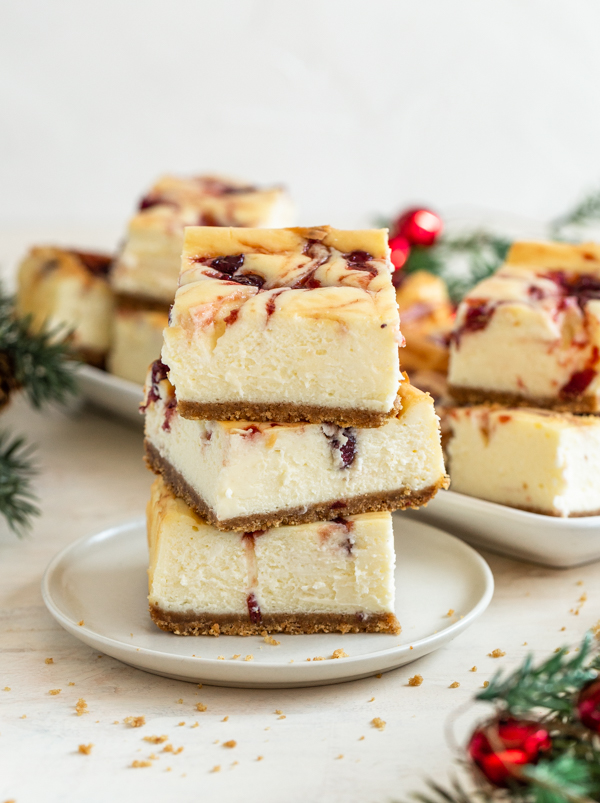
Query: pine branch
585,212
17,500
566,779
38,362
549,686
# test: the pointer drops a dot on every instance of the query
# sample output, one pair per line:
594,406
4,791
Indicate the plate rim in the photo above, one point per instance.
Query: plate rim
251,669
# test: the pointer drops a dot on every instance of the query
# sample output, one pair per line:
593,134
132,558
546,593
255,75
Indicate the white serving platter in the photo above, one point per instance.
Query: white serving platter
101,581
549,540
118,396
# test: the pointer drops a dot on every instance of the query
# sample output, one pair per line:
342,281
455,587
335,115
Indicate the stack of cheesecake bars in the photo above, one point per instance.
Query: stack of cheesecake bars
283,434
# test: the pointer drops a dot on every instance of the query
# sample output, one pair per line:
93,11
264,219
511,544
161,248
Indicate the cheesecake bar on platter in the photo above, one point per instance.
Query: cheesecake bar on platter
245,475
148,265
533,459
289,325
530,334
68,292
426,318
137,340
326,576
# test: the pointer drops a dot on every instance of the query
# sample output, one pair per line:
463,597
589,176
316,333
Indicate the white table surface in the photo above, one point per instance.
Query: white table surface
92,476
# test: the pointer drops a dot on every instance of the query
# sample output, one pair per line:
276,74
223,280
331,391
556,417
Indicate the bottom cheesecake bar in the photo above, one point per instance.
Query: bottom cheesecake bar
328,576
531,459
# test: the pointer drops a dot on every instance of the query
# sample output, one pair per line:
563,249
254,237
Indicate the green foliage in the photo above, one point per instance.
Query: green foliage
582,214
549,686
17,500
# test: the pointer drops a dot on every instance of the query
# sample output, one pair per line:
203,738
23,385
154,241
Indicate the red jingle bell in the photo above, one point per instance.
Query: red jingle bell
502,747
588,705
400,248
419,226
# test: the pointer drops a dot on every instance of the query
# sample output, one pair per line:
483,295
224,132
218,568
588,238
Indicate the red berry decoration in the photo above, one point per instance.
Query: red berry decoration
502,747
419,226
400,248
588,705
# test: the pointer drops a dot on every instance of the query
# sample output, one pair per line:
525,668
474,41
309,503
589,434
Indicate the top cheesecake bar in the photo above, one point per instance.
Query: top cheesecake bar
285,324
148,265
530,334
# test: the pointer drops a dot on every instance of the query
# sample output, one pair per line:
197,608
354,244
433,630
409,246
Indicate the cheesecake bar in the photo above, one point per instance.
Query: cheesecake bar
530,334
327,576
532,459
286,325
136,340
426,317
241,475
68,292
148,265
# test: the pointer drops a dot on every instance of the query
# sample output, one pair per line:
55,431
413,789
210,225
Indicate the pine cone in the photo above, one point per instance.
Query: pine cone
7,380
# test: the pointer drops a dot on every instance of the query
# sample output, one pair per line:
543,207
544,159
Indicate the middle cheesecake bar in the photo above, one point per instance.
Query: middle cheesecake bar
240,475
286,325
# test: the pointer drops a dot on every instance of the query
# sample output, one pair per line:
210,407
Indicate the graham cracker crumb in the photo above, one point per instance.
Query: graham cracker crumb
524,643
249,658
562,628
220,657
153,757
6,688
86,749
269,639
169,769
71,683
596,630
341,755
81,623
236,656
24,716
168,748
473,669
225,719
81,707
215,631
49,661
497,653
195,725
339,654
180,701
54,691
135,722
136,764
216,768
416,680
259,758
200,707
378,723
278,711
371,700
454,685
361,738
282,717
450,612
116,722
180,724
199,685
319,658
379,675
155,739
486,683
579,583
230,743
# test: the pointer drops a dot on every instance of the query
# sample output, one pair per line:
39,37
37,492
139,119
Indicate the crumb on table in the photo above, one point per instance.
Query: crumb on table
473,669
135,764
54,692
216,768
200,707
450,612
339,654
81,707
81,623
135,722
248,658
416,680
454,685
230,743
49,661
86,749
155,739
378,723
497,653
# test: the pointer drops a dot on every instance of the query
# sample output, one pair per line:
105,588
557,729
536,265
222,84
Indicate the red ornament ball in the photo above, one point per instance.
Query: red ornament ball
503,746
419,226
400,248
588,705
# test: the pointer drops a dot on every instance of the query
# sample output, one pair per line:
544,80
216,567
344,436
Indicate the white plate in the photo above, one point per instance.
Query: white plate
101,579
111,392
551,541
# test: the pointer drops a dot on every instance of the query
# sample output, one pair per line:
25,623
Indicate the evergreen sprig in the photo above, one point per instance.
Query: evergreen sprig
549,686
584,213
17,499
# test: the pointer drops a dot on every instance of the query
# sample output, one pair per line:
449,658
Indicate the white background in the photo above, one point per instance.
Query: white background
358,106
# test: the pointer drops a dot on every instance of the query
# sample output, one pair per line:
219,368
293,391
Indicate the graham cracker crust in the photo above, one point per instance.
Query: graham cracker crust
144,303
322,511
286,413
193,623
465,397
